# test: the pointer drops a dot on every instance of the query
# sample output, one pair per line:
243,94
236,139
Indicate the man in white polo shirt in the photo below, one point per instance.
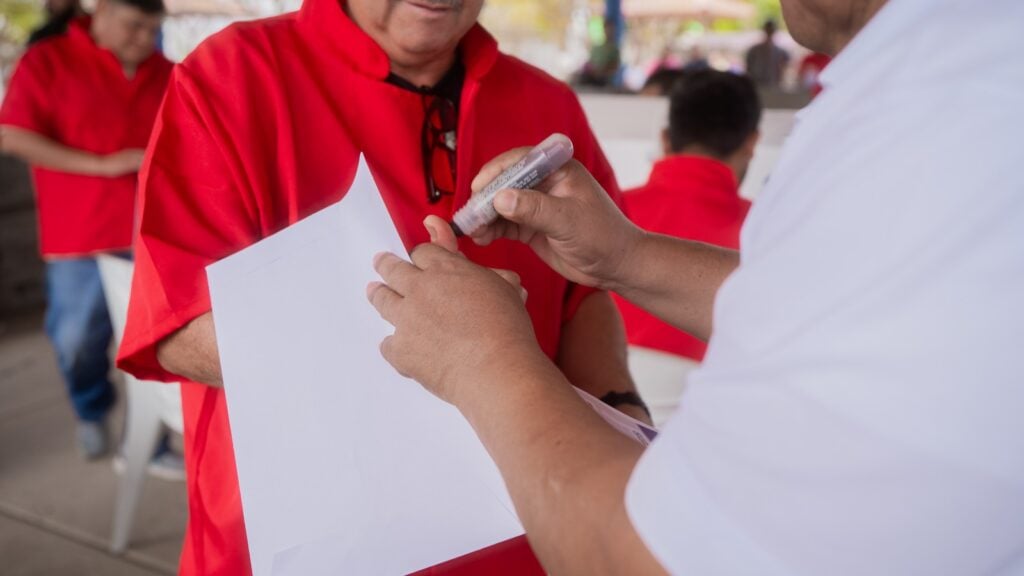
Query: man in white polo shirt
859,410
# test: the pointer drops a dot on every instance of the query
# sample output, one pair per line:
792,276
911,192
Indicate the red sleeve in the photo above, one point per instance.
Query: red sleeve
589,153
192,213
29,95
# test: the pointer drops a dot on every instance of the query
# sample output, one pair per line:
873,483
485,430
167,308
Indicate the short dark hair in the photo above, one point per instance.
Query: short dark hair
715,110
664,79
145,6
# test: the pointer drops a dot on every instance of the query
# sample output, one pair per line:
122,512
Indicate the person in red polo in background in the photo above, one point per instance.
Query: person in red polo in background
79,110
810,71
692,193
263,125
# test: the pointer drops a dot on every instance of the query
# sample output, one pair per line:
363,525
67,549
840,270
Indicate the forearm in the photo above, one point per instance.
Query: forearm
565,468
592,353
676,280
41,151
192,352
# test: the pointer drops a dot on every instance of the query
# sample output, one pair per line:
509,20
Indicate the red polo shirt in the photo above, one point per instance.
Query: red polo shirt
261,127
74,92
687,197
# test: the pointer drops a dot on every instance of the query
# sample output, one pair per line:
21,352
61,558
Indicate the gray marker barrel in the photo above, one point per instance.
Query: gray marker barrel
538,164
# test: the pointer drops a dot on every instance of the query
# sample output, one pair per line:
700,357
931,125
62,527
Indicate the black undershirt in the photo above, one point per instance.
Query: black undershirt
448,87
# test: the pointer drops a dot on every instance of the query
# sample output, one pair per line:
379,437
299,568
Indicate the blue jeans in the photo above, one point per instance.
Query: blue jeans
79,329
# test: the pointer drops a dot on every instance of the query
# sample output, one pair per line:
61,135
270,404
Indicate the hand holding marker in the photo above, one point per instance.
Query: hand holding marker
538,164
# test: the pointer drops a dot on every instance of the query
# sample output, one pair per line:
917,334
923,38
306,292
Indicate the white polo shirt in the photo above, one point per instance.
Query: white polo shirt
861,407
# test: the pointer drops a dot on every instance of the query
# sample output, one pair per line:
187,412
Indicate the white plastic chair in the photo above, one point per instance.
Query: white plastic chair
148,406
660,379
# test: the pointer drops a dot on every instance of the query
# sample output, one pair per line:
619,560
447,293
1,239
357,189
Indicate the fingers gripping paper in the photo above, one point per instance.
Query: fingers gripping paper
345,467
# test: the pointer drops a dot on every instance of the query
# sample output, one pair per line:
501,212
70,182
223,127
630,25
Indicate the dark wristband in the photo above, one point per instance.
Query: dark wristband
616,399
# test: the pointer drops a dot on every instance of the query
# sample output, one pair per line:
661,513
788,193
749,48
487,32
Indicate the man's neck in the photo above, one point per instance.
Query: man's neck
735,162
418,69
427,72
129,68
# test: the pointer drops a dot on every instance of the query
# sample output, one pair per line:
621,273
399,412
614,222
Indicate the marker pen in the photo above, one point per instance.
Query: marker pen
538,164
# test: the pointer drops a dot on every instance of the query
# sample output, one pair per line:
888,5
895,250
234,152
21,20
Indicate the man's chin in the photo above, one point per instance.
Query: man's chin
424,42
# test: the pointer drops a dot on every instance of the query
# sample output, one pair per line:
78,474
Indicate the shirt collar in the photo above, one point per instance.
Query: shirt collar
79,32
680,169
329,25
450,85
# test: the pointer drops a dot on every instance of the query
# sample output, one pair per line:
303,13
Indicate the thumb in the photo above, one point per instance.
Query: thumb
532,209
441,233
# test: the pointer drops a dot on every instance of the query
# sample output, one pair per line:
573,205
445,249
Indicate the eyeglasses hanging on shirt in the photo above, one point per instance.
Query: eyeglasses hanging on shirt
439,134
438,147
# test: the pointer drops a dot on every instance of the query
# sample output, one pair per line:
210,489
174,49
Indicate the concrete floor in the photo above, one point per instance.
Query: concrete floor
56,508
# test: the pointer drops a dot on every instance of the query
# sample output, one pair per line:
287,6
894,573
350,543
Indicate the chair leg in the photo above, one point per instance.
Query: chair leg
142,432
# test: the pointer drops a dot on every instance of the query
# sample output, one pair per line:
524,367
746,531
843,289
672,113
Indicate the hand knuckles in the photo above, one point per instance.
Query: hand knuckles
386,264
385,347
377,295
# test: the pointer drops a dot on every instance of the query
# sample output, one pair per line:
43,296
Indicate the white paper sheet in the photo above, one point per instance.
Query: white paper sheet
344,466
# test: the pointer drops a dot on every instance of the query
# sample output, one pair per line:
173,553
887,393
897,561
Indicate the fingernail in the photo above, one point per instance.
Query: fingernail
505,202
431,230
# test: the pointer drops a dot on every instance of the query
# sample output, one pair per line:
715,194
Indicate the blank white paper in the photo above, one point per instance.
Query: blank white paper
345,467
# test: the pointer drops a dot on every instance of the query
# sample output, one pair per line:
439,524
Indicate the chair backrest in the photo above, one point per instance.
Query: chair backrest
116,274
660,379
117,286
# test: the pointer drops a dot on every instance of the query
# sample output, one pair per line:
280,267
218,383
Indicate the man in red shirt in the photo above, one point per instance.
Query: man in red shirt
263,126
79,110
693,192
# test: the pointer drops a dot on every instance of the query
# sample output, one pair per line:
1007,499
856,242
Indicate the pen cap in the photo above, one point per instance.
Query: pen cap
558,149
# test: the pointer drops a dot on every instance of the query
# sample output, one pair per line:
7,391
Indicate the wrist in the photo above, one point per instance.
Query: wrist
506,366
625,269
97,165
629,403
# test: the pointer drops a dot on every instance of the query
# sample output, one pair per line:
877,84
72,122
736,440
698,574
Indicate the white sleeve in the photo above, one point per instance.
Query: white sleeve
768,480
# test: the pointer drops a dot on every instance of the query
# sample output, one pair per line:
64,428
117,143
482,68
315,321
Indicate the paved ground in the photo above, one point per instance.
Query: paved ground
55,508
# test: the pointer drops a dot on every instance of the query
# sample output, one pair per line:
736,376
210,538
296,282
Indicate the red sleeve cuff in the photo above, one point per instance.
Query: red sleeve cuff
137,354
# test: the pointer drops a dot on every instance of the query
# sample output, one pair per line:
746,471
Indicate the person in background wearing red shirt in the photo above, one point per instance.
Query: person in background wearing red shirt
811,68
692,193
263,125
79,110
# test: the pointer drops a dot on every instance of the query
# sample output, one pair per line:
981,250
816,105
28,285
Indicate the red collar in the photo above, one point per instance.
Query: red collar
329,26
79,32
709,173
